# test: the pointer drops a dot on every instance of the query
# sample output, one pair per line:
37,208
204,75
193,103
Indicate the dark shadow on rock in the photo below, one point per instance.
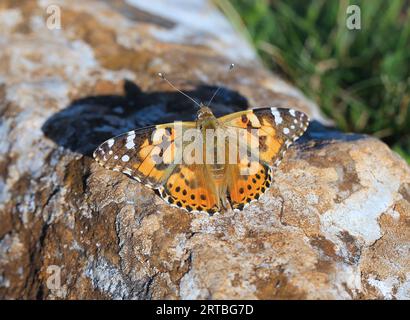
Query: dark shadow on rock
319,135
89,121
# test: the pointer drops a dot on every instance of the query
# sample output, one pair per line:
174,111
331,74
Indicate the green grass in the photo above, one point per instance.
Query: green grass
360,78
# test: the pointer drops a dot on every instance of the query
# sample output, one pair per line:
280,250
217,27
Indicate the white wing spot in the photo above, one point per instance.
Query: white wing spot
276,114
130,140
110,143
125,158
285,130
115,157
292,112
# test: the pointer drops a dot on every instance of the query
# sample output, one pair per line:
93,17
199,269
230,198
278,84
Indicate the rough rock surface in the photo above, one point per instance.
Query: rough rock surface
336,223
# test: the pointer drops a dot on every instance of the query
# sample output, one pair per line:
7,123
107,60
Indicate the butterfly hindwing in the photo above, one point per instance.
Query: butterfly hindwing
245,188
188,187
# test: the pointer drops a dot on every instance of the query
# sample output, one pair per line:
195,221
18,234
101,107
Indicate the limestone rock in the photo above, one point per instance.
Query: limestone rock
335,224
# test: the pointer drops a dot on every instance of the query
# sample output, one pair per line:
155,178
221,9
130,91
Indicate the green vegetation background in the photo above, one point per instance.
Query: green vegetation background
360,78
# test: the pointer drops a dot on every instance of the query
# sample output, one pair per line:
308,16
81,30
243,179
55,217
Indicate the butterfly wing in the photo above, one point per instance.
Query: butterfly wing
147,154
243,189
275,129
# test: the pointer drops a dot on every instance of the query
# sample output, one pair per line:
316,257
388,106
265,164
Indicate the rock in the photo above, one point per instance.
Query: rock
335,225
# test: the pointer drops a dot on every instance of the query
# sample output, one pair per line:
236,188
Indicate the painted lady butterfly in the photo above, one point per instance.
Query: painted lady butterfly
150,155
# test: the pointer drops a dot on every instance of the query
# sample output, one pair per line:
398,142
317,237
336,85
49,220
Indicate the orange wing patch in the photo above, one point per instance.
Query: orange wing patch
244,120
270,144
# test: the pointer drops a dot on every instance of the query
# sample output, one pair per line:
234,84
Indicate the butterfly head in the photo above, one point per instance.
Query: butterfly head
205,113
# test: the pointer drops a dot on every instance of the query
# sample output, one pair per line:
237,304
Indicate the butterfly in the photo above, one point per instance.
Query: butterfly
205,187
191,173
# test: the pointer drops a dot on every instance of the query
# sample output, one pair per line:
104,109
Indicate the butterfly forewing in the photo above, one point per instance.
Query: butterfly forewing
275,128
146,154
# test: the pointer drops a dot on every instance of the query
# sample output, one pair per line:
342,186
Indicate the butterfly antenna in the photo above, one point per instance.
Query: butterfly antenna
162,76
219,88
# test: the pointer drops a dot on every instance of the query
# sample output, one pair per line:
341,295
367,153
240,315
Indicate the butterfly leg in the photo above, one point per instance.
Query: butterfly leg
226,205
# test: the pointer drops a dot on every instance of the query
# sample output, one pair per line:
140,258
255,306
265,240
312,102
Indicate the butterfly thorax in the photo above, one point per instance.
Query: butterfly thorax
207,121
